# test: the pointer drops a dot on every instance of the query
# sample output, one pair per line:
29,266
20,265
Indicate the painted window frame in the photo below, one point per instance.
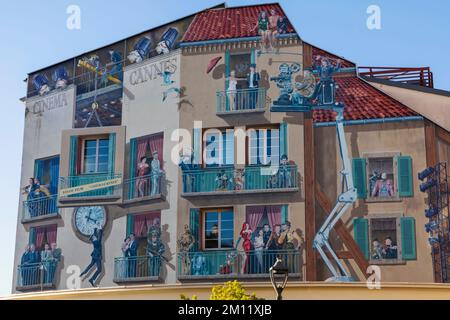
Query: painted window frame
203,212
223,131
83,140
248,143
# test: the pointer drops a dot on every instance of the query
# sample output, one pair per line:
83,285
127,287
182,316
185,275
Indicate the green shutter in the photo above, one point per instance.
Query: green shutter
284,213
361,234
283,139
39,169
404,176
359,176
408,236
194,226
130,224
227,74
112,153
253,56
73,155
32,236
132,167
197,145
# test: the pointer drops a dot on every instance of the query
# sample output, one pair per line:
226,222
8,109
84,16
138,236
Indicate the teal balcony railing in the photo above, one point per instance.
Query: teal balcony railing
145,187
243,100
82,180
233,263
35,276
40,207
137,269
252,179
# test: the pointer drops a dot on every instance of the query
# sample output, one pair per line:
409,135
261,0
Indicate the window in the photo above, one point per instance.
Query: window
140,225
219,147
218,226
40,236
95,155
383,234
240,63
263,146
47,172
381,177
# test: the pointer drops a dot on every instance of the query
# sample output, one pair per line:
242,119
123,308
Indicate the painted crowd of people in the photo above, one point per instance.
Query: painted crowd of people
35,192
39,267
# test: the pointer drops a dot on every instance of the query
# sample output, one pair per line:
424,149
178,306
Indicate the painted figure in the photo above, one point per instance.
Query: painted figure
140,50
389,249
286,83
273,245
221,181
32,266
258,245
253,79
231,90
24,262
290,241
273,181
282,25
61,78
377,250
155,250
156,174
41,84
47,261
263,29
32,192
116,70
96,256
142,179
131,255
199,265
156,227
375,176
56,258
167,41
185,244
273,28
246,234
239,179
326,87
383,187
284,173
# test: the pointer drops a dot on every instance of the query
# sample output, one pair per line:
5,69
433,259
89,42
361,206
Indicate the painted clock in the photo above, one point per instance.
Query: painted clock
86,219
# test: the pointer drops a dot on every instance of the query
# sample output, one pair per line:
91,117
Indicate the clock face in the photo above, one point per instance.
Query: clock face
86,219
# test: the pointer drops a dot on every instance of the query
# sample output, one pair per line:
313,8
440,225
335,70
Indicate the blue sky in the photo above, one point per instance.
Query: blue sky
34,35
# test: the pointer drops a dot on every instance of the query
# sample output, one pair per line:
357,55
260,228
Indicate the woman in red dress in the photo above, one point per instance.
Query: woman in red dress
246,234
142,180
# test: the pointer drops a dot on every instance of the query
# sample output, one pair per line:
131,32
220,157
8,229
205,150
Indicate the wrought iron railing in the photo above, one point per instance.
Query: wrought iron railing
88,179
421,76
242,100
40,207
36,275
253,178
148,186
141,268
233,263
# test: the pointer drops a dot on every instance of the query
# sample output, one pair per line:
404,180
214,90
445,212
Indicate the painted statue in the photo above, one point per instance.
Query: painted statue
155,251
155,174
96,255
383,187
185,243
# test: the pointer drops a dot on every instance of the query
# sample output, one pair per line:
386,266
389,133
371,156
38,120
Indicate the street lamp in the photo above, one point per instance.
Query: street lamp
280,271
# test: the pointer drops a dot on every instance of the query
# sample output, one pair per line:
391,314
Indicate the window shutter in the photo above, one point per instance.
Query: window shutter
112,153
404,176
73,155
54,174
130,224
361,234
227,74
132,167
32,236
194,226
39,169
408,236
253,56
283,139
284,213
197,143
359,176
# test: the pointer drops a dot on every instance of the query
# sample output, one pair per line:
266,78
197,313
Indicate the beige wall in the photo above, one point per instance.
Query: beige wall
406,138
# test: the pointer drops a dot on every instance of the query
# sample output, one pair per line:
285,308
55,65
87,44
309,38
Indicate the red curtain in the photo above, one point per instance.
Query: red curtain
274,215
254,215
51,234
143,222
151,216
141,148
40,236
156,144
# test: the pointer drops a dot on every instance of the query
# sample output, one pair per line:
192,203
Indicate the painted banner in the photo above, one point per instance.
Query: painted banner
90,187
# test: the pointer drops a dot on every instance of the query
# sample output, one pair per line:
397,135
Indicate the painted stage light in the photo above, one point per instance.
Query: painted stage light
431,212
60,77
427,185
140,50
425,173
40,83
167,41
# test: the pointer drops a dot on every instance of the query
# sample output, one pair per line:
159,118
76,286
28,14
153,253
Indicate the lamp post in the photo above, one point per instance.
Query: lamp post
280,271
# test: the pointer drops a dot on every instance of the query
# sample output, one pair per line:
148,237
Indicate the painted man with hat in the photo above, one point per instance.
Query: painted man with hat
155,250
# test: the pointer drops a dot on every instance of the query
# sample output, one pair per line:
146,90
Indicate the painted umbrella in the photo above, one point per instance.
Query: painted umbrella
212,64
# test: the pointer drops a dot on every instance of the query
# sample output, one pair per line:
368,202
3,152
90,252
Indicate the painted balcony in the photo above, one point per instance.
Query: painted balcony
90,187
143,189
137,269
241,101
211,265
36,276
226,181
40,208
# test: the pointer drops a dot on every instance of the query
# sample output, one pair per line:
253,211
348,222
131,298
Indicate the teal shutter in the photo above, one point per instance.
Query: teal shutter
253,56
73,155
359,176
283,139
111,153
194,226
408,236
361,234
197,145
404,176
227,74
130,224
132,167
32,236
39,169
284,213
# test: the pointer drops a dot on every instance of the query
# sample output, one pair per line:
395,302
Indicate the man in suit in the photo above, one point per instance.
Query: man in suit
253,79
132,253
56,258
96,240
24,261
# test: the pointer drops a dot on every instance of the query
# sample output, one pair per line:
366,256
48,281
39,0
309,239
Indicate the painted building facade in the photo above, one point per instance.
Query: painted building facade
167,140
